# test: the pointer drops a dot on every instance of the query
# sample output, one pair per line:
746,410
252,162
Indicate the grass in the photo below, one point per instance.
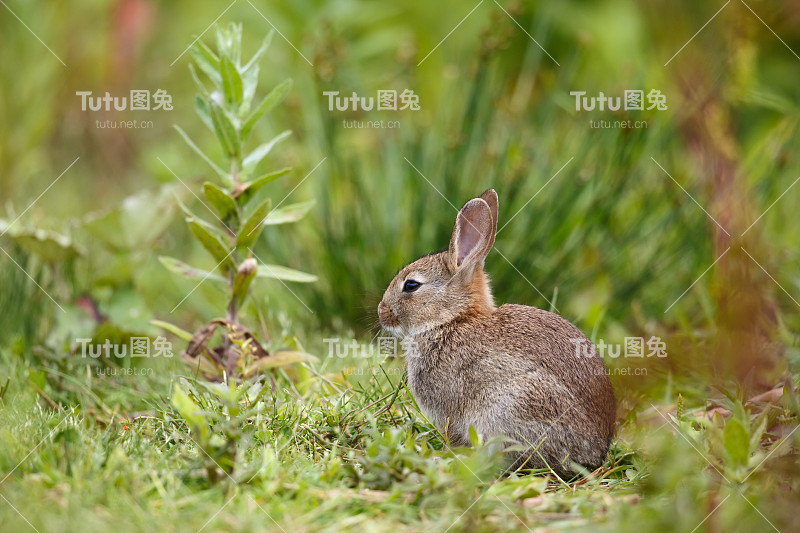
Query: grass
611,240
321,447
349,451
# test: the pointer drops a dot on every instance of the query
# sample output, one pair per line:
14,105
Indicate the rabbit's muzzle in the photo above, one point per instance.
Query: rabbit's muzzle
386,316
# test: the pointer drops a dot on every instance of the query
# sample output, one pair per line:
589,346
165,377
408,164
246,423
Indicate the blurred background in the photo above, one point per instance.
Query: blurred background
599,227
683,228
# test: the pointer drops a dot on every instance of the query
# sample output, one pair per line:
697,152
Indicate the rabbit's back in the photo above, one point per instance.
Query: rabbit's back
550,350
515,372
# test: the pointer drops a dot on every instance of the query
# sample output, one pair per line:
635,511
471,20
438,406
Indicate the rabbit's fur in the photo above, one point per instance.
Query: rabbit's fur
510,371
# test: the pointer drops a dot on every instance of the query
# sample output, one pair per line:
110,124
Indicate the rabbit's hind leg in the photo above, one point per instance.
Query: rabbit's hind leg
556,446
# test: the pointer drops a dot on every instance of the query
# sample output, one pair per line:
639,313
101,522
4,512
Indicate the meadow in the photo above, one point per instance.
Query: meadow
645,156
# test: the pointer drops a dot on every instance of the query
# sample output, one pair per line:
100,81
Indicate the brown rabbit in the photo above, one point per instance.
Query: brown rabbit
510,371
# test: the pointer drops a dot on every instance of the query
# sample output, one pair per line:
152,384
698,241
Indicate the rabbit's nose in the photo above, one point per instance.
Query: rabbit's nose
385,315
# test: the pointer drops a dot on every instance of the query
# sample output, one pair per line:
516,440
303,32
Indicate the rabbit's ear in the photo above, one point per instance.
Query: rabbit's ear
490,197
473,234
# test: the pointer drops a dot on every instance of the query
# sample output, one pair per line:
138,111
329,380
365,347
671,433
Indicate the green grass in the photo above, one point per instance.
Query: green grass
329,445
320,447
349,451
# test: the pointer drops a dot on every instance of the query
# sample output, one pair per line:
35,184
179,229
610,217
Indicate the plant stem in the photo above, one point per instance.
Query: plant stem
231,356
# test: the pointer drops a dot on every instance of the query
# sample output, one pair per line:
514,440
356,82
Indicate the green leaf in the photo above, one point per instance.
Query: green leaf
231,82
222,202
189,411
224,175
250,76
207,61
172,328
211,243
276,360
251,188
255,157
138,221
226,131
215,230
737,442
249,86
229,41
536,487
48,246
274,97
260,52
289,213
253,226
179,267
201,107
199,84
473,436
208,54
285,274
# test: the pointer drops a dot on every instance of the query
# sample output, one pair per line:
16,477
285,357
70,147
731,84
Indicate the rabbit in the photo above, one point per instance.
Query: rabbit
511,371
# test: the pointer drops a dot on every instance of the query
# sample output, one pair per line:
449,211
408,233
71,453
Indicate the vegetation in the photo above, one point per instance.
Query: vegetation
680,230
228,111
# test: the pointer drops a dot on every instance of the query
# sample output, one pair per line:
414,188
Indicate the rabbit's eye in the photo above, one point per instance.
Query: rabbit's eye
411,285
